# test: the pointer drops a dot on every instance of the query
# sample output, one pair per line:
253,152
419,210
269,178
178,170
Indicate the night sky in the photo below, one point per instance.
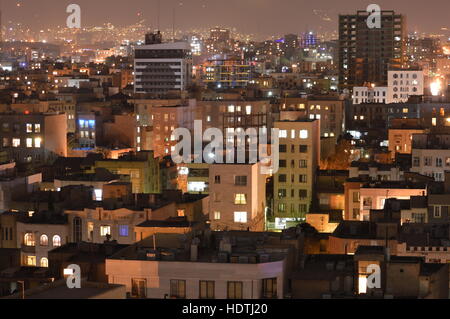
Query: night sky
264,17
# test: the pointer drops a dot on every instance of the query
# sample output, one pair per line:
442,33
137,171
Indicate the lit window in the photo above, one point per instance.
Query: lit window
248,109
16,142
105,230
29,128
37,142
31,260
123,230
44,262
44,240
231,108
37,128
28,240
304,134
181,213
240,199
216,215
292,133
56,241
98,194
240,217
29,142
283,134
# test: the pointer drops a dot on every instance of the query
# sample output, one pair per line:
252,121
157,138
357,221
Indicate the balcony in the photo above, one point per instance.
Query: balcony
28,249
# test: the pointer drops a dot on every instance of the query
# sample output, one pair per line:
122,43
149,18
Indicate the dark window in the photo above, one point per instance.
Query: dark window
235,290
206,289
178,289
269,288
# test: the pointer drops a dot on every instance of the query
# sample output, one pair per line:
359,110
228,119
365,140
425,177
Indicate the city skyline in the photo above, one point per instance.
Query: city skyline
261,20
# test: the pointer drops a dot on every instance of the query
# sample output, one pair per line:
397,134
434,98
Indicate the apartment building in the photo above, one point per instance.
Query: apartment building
34,137
168,270
142,168
431,155
294,182
373,196
162,67
403,83
98,224
37,234
237,197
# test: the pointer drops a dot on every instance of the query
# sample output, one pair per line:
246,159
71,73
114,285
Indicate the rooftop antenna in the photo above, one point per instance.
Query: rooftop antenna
173,24
158,14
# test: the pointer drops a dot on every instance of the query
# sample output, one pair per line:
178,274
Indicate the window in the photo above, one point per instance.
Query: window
123,230
29,128
16,142
356,198
303,164
28,240
356,213
37,128
303,193
428,161
283,148
56,241
44,240
438,162
437,211
282,163
240,217
31,261
303,148
447,161
234,290
416,161
206,289
240,199
216,215
282,178
282,207
37,142
240,180
217,179
138,288
269,288
282,193
29,142
44,262
304,134
105,230
303,179
178,289
283,134
77,229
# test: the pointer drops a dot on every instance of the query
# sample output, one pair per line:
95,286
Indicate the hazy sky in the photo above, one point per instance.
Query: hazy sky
251,16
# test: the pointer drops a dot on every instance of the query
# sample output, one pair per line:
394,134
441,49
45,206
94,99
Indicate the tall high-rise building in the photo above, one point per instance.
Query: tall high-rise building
162,67
366,54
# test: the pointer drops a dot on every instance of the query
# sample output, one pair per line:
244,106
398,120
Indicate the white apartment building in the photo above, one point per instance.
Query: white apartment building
162,67
404,83
96,224
366,94
431,155
238,197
